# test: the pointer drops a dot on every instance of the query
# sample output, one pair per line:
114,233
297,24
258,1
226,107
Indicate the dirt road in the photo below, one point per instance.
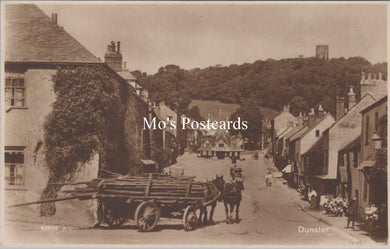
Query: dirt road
269,216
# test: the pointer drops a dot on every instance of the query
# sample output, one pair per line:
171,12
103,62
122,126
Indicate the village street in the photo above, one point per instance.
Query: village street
269,216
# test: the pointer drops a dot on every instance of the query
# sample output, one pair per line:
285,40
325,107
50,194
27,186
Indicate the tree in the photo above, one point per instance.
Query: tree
298,104
250,112
194,113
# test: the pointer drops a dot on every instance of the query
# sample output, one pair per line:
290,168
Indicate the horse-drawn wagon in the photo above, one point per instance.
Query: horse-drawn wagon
145,199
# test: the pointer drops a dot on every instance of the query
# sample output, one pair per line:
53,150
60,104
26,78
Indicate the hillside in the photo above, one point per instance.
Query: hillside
301,82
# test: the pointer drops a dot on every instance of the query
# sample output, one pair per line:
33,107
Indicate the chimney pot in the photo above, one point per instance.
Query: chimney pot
54,18
351,98
363,77
339,108
321,112
311,118
379,76
118,47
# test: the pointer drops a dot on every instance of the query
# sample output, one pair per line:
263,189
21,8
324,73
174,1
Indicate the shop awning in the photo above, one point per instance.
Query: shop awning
367,163
287,169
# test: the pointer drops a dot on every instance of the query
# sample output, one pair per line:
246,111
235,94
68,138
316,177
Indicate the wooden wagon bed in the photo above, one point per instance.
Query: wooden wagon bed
143,198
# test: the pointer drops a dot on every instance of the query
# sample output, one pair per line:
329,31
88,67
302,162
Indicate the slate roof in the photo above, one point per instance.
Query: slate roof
293,131
317,147
299,133
355,144
31,36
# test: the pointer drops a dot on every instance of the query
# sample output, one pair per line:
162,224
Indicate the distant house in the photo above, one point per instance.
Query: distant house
284,120
347,170
316,127
221,145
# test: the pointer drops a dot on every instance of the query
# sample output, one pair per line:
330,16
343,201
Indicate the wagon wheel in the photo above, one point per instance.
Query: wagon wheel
113,215
147,215
189,218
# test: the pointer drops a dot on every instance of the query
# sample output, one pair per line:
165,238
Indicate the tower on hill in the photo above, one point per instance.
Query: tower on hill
322,52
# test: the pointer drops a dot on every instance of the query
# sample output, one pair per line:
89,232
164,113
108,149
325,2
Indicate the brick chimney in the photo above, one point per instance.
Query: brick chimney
321,112
339,108
366,85
311,119
351,98
286,108
54,18
113,57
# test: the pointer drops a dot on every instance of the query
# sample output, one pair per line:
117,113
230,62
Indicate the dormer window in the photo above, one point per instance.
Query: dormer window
14,90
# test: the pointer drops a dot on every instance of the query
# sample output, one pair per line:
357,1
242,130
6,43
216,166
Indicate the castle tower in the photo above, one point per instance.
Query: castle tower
322,52
113,56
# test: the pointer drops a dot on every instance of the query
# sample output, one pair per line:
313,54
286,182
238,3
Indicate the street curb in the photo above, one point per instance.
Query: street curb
342,232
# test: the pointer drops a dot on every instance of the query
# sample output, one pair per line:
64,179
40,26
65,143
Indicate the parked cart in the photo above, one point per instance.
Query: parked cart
145,199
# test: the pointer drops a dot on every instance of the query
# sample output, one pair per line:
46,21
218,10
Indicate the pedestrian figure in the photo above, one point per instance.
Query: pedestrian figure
352,212
313,198
268,178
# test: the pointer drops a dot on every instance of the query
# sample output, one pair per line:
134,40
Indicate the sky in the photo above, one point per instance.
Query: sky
193,35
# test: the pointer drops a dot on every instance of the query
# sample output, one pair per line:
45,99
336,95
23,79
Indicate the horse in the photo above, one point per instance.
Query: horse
231,197
212,189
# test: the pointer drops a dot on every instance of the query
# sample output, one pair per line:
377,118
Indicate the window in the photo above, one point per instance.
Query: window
317,133
376,121
366,135
221,145
14,90
355,159
365,190
14,166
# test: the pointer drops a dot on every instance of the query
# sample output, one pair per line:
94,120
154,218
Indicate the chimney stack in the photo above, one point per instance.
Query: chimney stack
305,121
286,108
366,85
339,108
351,98
113,57
311,118
54,18
321,112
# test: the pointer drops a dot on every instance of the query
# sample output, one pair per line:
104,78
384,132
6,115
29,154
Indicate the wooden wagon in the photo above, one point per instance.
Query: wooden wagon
145,199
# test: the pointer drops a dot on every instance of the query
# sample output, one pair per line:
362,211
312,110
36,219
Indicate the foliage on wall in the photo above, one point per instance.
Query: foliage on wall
86,119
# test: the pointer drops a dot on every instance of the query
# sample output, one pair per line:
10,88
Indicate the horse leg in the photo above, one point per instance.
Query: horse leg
205,216
200,215
226,211
231,210
212,212
237,211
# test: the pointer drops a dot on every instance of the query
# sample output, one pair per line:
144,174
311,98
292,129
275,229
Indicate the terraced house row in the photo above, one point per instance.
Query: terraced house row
341,155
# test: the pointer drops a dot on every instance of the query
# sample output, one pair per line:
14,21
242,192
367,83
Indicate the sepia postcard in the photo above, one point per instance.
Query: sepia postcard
194,124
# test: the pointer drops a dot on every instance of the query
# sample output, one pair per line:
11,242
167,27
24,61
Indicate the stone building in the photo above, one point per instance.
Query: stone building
322,52
34,47
370,190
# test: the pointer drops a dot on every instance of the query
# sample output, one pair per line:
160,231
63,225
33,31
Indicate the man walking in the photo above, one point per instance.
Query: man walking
352,212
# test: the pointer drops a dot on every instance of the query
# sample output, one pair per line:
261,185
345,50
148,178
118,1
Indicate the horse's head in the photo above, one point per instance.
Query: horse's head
219,182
